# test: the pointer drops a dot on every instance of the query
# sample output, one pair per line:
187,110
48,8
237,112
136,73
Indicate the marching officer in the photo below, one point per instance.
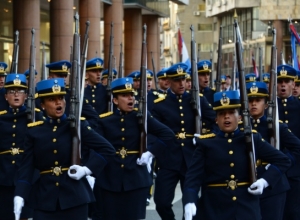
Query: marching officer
13,124
95,92
175,111
250,77
266,79
163,82
296,89
188,79
204,72
152,93
104,76
288,109
220,167
3,74
272,202
135,75
58,193
124,183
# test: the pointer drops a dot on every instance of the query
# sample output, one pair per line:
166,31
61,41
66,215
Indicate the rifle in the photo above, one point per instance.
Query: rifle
245,109
142,108
31,87
198,56
272,109
14,63
260,64
43,76
195,86
218,80
154,72
74,116
110,72
212,66
120,73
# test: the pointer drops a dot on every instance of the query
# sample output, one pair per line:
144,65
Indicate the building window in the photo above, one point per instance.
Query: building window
201,7
205,27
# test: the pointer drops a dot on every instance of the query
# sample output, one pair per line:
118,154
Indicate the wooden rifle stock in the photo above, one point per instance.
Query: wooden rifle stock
31,86
110,71
245,110
14,63
120,73
142,108
271,115
74,116
219,64
154,72
195,86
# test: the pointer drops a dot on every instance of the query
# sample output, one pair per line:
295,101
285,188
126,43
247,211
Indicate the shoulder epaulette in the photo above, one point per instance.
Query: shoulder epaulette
155,93
280,121
240,122
35,123
135,109
254,131
36,95
204,136
105,114
159,99
200,94
37,109
214,89
3,112
82,118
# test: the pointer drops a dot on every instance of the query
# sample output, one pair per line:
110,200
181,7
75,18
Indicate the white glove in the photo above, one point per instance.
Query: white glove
80,172
91,181
18,204
258,186
146,159
189,211
196,136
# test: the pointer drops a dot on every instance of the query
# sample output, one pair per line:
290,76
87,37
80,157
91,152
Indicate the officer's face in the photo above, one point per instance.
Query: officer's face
2,80
149,84
104,81
228,81
15,97
54,106
164,84
93,76
257,106
177,85
124,101
203,80
227,119
136,84
296,90
285,87
188,84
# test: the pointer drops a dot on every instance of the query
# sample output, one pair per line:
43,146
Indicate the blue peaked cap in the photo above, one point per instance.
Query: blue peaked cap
15,80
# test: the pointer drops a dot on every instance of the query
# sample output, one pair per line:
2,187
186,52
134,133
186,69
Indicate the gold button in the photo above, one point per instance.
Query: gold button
123,139
122,119
182,144
232,176
255,125
231,164
179,100
56,162
54,129
13,126
54,140
122,165
286,112
56,184
15,120
93,90
93,95
229,140
234,198
14,135
13,162
180,107
93,101
230,152
13,144
123,129
182,122
284,104
203,123
55,151
181,114
286,121
182,129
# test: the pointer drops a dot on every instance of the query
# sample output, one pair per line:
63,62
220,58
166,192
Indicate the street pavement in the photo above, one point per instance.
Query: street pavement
151,213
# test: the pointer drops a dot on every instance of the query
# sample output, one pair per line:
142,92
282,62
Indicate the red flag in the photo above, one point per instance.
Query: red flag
292,28
255,70
179,42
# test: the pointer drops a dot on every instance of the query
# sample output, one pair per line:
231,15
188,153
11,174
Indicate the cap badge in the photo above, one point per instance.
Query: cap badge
17,81
179,70
64,67
205,66
254,89
283,72
225,100
98,64
128,86
56,88
1,68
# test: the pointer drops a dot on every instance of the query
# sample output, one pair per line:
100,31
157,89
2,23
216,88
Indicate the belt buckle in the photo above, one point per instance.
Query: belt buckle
123,152
15,151
181,135
232,184
56,170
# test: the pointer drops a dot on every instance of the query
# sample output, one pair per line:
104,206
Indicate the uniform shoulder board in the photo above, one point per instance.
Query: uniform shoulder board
155,93
82,118
37,109
213,89
135,109
240,122
159,99
200,94
3,112
280,121
204,136
105,114
254,131
241,129
35,123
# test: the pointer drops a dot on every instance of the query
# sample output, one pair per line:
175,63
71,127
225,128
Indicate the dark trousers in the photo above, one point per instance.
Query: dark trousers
292,205
272,207
165,184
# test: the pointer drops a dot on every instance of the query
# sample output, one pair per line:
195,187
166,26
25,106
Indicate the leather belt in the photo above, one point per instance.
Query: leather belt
55,171
259,162
183,135
123,152
12,151
232,184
